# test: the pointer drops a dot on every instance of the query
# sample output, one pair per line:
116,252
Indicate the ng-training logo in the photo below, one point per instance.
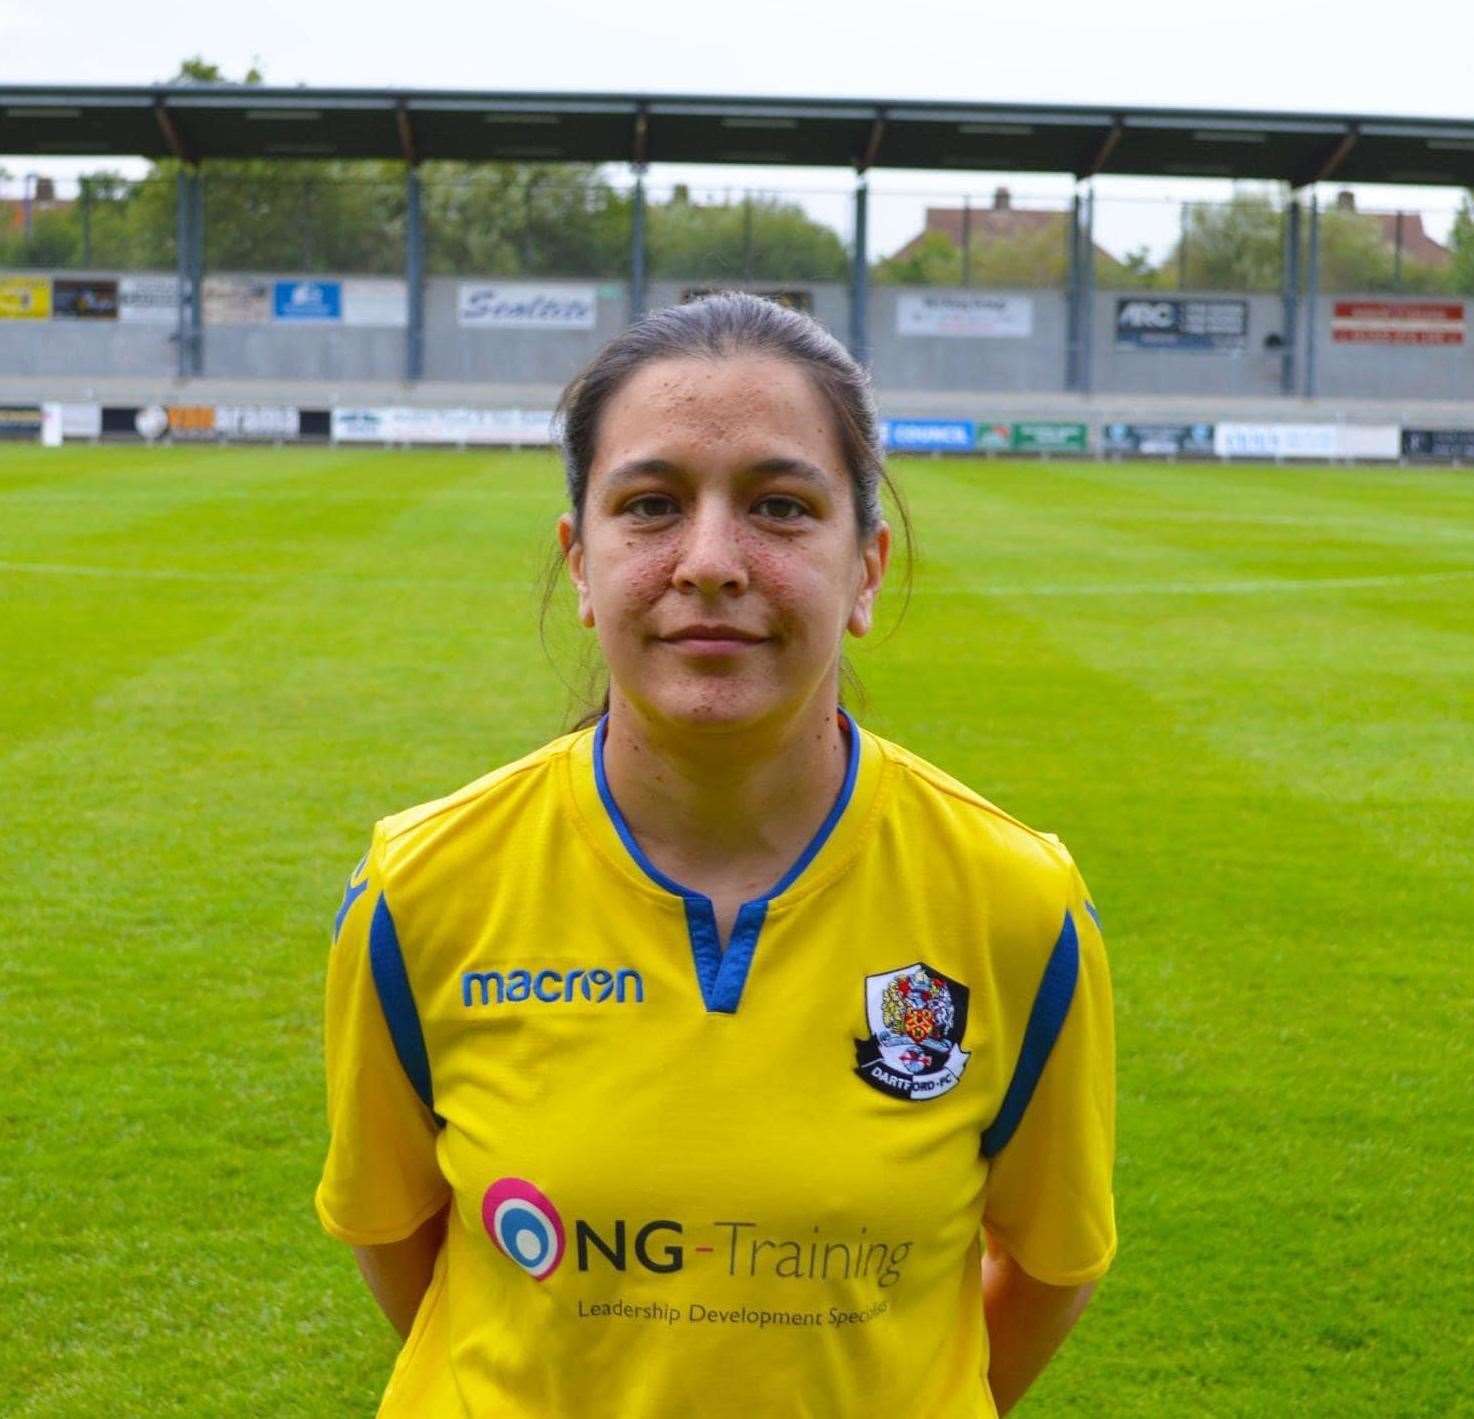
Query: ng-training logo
525,1226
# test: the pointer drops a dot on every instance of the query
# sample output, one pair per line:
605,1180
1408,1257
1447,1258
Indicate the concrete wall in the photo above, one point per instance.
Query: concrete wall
903,365
1123,369
1034,362
1392,372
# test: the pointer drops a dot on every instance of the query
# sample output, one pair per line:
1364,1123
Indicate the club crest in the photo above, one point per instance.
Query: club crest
917,1019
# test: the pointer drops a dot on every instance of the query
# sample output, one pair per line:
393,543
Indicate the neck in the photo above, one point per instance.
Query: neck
733,807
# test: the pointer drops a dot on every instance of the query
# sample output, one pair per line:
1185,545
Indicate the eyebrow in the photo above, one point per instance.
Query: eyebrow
790,467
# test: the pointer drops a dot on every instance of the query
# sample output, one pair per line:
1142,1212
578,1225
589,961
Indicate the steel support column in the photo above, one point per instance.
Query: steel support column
1290,295
197,273
1072,295
1312,295
639,280
1087,292
414,277
860,275
189,260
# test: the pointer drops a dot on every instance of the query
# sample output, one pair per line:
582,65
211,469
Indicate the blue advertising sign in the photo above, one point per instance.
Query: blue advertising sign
307,300
927,435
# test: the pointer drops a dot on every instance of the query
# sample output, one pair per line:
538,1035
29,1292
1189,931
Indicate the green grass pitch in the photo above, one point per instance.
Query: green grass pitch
1242,695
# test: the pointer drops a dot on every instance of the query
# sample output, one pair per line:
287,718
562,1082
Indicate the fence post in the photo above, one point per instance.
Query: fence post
967,241
1312,283
86,209
1290,294
860,275
639,295
414,276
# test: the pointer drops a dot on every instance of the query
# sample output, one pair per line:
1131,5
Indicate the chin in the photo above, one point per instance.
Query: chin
712,704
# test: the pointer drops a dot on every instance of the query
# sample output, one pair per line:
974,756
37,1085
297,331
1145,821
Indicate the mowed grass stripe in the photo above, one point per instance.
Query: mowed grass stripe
1293,1070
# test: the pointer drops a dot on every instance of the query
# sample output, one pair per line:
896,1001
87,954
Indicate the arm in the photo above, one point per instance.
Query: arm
1027,1320
398,1273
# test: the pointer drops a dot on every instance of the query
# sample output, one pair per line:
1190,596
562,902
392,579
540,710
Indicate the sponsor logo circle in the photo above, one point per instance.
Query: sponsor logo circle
524,1226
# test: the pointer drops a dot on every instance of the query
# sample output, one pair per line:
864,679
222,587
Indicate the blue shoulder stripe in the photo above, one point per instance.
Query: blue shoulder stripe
391,980
1051,1005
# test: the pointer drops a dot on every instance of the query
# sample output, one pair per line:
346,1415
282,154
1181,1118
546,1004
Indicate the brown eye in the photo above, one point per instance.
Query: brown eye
780,509
651,505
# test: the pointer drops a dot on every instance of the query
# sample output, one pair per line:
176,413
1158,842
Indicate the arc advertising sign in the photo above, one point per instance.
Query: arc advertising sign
1147,323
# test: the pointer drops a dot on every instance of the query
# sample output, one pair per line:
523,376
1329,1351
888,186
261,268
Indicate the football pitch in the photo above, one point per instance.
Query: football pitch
1243,696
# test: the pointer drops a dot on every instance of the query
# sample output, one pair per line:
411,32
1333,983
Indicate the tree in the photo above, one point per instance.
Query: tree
1461,243
1232,246
758,238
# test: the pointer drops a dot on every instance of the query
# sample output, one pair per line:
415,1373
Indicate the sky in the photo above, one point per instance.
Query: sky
1355,57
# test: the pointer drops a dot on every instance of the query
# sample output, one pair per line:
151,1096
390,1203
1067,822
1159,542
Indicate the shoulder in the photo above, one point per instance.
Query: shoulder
956,821
475,817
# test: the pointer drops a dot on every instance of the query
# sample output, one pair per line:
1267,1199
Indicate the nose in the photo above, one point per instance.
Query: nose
711,557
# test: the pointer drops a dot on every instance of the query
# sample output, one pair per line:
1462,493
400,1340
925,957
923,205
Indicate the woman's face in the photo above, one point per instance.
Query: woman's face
719,557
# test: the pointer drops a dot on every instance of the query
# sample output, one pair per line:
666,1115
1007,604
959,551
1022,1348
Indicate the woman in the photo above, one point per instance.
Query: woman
720,1058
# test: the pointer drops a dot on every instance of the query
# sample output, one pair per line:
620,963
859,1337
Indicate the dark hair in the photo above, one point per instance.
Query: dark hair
721,326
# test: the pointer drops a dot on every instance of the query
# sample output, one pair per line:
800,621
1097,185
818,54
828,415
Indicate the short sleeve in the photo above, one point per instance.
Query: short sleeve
381,1180
1049,1197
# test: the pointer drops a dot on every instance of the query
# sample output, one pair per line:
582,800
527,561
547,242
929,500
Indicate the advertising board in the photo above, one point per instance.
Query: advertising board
1158,440
236,300
1031,436
257,421
81,421
25,298
485,305
1453,445
307,302
497,427
381,303
1327,441
1149,323
20,421
792,297
965,315
148,300
927,435
75,299
1397,322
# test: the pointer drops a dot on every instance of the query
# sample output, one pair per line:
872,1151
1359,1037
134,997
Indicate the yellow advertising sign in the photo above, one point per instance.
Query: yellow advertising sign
25,297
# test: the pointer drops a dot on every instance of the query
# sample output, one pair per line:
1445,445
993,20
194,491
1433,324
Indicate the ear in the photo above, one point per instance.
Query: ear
874,560
572,550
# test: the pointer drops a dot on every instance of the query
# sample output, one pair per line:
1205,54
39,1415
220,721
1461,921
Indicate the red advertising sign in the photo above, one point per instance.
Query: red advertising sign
1398,323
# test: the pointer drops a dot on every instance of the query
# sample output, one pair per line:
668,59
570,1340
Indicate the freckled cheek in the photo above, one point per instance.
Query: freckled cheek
626,582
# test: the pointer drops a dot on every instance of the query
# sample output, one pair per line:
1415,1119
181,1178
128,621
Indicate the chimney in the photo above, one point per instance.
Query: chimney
1345,200
45,189
1002,200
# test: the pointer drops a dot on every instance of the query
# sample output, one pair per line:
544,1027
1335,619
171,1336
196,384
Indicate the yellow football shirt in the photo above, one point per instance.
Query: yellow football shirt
691,1180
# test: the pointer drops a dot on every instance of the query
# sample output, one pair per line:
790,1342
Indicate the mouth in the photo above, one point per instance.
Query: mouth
712,641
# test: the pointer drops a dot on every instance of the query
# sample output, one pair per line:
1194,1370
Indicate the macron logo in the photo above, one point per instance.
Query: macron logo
597,986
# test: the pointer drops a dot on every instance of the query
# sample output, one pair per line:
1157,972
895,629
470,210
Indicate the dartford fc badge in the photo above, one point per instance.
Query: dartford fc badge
917,1018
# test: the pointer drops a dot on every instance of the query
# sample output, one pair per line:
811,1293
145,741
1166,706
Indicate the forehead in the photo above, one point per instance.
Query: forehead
718,412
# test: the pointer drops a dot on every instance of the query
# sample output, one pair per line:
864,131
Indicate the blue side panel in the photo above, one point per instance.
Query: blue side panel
391,980
1046,1019
351,893
1094,915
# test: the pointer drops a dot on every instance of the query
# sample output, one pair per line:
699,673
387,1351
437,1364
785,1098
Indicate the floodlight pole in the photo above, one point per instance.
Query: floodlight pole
414,276
860,275
1087,290
639,294
1312,283
1290,294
